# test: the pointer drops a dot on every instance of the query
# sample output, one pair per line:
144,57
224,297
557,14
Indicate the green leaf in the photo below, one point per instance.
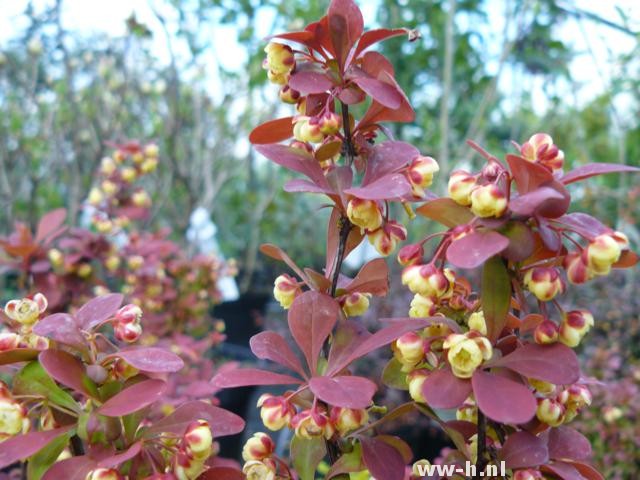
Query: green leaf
306,455
40,462
495,296
393,376
33,380
350,462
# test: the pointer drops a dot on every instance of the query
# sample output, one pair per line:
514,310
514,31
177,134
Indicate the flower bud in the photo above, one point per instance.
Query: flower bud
289,95
356,304
577,397
9,341
123,370
621,239
415,380
385,239
306,129
575,326
186,467
420,174
129,314
348,419
544,282
138,158
578,271
128,174
26,311
107,166
198,439
141,199
149,165
312,423
409,348
427,280
477,322
546,332
550,411
112,262
612,414
104,226
542,387
330,123
285,290
151,150
135,262
488,201
13,418
56,258
258,447
280,58
127,332
528,474
364,213
276,412
602,253
109,188
540,149
410,254
104,474
422,306
257,470
466,353
460,186
95,197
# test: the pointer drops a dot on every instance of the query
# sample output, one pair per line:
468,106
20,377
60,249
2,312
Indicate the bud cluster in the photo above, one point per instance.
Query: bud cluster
126,324
13,415
559,405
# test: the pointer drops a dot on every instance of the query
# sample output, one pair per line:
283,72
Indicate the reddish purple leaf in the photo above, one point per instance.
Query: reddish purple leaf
593,169
476,248
394,186
133,398
523,450
50,223
23,446
587,471
442,389
272,131
307,82
97,310
74,468
528,175
298,185
116,460
243,377
388,157
221,421
446,211
381,92
66,369
295,159
222,473
382,460
555,363
311,319
566,443
372,37
521,241
152,359
62,328
345,25
18,355
550,238
379,113
586,225
372,278
271,346
344,391
534,200
377,340
564,471
502,399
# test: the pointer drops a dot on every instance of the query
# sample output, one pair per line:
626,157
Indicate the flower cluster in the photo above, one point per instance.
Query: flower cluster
13,415
23,314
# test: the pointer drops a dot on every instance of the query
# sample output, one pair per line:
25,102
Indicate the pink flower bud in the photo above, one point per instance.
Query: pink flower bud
285,290
528,474
576,267
104,474
420,174
602,253
544,282
355,304
289,95
550,411
410,254
364,213
540,149
258,447
127,332
386,238
185,467
346,420
307,129
312,423
546,332
304,146
422,306
427,280
9,341
488,201
276,412
198,439
575,326
130,313
415,380
280,58
330,123
461,184
409,348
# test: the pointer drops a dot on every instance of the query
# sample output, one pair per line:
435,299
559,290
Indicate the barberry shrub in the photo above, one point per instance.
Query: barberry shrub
499,353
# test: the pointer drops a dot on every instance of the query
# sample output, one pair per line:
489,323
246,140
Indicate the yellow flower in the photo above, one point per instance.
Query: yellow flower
488,201
477,322
466,353
364,213
602,253
356,304
285,290
460,186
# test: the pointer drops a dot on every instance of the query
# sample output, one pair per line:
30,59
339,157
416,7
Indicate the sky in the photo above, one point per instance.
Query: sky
597,45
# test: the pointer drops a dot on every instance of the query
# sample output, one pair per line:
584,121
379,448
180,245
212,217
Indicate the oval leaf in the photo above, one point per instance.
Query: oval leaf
67,370
272,131
593,169
495,296
476,248
382,460
566,443
442,389
243,377
23,446
272,346
133,398
502,399
221,421
97,310
307,82
446,211
62,328
523,450
152,359
344,391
